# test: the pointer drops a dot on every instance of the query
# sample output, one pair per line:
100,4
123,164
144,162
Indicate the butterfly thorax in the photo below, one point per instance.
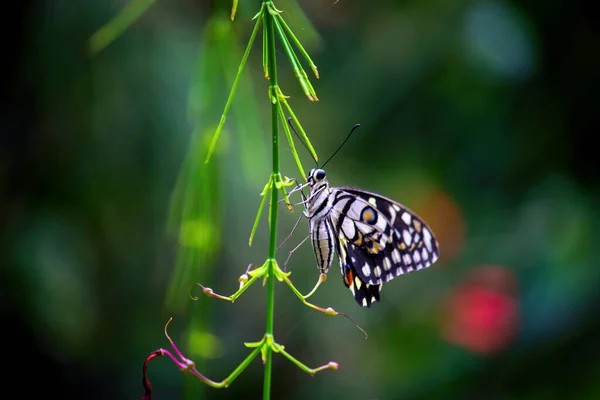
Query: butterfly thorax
318,207
319,202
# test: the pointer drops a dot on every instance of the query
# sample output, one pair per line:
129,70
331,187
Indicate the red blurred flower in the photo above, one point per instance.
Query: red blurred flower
481,314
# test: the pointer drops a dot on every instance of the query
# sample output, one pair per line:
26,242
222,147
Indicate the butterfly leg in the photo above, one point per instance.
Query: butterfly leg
286,195
292,252
291,233
299,186
304,200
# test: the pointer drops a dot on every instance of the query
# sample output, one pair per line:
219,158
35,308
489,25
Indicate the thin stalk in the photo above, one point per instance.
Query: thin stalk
290,139
298,45
309,91
312,151
265,54
234,9
260,209
272,68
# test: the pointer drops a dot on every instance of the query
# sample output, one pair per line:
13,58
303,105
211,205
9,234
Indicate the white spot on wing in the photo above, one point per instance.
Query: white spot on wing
406,258
396,207
396,256
366,269
377,271
387,264
416,257
348,228
424,254
405,217
427,238
392,215
406,237
364,302
373,201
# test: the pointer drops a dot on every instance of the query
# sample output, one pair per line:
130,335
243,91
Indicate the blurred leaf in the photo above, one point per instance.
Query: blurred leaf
116,26
195,213
204,344
216,69
199,234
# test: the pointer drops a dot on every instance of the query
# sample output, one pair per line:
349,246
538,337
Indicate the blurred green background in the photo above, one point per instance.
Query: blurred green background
479,115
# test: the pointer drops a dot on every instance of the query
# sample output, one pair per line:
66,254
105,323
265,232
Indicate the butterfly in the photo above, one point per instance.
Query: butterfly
376,239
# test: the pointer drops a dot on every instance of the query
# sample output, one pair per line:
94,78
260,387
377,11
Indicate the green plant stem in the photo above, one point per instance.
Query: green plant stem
272,68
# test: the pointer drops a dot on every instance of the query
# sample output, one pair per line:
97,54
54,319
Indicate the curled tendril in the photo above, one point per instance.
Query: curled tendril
194,298
167,326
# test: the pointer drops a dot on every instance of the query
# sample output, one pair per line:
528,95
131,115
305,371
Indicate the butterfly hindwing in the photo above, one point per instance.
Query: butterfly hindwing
364,293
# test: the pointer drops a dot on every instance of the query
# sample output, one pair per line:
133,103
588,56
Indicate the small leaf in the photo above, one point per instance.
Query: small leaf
260,209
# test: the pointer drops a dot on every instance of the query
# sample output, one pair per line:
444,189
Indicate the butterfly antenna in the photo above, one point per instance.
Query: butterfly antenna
341,145
289,120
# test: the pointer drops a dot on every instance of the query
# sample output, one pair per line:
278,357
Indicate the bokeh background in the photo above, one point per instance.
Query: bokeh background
480,115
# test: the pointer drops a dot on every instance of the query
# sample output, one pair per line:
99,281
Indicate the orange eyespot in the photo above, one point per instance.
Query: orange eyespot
349,278
368,215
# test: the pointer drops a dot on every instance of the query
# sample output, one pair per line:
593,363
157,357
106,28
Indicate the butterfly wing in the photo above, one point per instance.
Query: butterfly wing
364,293
378,240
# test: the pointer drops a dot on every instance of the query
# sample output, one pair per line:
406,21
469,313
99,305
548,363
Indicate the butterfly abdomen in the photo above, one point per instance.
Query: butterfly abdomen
322,241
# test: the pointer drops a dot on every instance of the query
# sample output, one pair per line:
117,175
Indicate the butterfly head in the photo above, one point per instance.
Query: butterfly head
317,178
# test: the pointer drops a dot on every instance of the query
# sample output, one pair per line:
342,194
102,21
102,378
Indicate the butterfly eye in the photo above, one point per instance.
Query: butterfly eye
320,174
